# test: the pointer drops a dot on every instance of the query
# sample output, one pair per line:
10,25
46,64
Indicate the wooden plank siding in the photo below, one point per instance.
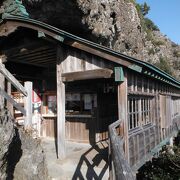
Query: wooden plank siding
162,112
49,127
78,61
80,130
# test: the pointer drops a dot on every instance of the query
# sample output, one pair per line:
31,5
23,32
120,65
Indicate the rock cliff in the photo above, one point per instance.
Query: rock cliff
117,24
21,156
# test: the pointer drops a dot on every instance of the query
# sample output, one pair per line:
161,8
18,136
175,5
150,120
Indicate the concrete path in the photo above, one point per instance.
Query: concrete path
83,161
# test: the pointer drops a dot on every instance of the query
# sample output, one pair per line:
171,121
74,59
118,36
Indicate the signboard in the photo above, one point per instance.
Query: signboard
119,74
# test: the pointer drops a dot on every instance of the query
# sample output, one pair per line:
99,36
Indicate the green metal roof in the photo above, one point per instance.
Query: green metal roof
139,66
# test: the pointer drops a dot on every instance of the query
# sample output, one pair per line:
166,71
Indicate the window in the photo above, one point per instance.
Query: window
133,113
145,104
77,103
139,111
73,103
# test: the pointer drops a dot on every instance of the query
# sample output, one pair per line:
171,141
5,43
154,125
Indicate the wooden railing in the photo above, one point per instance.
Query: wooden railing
118,165
26,91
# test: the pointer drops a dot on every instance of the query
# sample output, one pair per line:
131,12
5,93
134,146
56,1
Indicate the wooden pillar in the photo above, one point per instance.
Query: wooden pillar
2,83
61,153
122,111
9,105
28,105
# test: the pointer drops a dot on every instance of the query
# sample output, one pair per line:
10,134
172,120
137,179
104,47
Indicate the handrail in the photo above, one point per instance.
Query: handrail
16,84
12,79
12,101
119,167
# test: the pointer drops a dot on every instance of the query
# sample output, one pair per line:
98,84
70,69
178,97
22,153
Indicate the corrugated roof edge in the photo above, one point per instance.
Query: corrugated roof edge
93,45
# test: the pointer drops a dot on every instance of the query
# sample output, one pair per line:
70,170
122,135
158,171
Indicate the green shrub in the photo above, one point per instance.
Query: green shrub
130,1
164,65
158,43
145,9
149,35
146,24
176,64
142,8
150,25
165,167
176,53
151,51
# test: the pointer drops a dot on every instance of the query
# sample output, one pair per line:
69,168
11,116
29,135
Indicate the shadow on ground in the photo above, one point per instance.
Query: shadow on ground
96,165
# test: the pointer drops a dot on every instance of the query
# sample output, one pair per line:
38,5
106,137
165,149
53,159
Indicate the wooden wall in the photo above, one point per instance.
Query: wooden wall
49,127
77,60
80,129
163,113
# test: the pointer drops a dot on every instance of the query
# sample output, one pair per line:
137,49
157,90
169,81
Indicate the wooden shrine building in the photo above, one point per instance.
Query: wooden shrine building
80,88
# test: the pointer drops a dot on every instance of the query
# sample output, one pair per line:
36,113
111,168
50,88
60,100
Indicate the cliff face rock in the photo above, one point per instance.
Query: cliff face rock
32,164
21,156
162,48
7,132
114,23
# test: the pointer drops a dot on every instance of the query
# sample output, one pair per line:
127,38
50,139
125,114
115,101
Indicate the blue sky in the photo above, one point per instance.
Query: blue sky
166,15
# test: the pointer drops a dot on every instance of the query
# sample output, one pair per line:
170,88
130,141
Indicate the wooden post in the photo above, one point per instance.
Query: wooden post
2,81
122,111
9,105
61,153
28,105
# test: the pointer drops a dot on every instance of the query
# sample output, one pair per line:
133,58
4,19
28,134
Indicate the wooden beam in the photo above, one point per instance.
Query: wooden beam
35,60
12,79
28,105
123,111
60,106
24,49
12,101
89,74
42,59
99,53
73,43
34,55
28,63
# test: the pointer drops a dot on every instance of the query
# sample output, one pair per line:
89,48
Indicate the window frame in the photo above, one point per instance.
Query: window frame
140,111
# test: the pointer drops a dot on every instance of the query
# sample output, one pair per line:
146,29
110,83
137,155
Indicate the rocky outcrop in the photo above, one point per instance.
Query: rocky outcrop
32,164
7,133
21,156
113,23
162,48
